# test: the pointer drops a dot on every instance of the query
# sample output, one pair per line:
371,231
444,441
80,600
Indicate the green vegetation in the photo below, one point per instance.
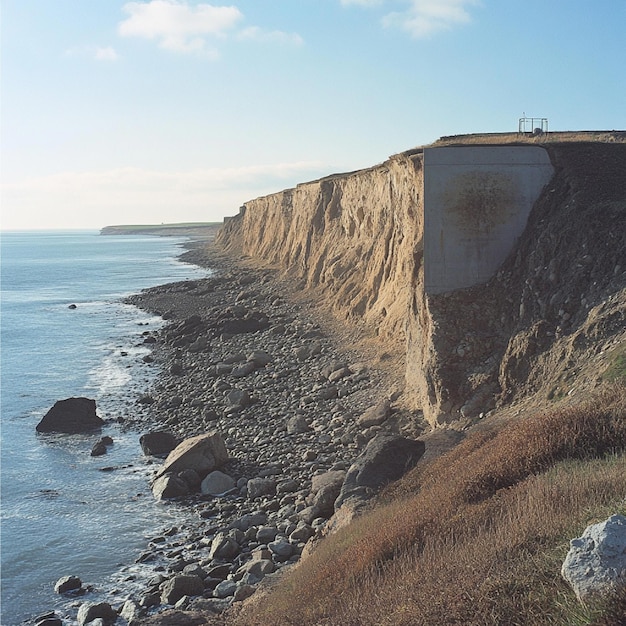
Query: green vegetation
616,370
475,537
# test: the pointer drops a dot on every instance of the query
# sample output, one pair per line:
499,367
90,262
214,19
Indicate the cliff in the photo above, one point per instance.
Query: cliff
548,321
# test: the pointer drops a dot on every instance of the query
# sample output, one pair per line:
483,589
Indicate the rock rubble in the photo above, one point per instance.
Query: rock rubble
242,361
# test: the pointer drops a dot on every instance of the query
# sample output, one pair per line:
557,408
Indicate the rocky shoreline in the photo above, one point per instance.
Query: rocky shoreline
242,357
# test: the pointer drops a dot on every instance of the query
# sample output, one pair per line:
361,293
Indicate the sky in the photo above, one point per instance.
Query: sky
152,111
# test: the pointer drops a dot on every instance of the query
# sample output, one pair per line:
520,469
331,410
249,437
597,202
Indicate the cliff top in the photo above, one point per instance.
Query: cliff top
183,229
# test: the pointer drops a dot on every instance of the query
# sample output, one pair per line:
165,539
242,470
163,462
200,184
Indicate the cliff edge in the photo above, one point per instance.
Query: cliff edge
539,231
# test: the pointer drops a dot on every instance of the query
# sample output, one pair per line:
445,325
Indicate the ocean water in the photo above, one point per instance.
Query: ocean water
60,513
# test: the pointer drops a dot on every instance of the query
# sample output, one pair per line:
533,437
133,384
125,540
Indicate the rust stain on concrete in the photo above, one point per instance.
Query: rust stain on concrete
480,201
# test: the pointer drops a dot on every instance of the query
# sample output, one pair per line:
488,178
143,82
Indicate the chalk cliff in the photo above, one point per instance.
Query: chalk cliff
550,321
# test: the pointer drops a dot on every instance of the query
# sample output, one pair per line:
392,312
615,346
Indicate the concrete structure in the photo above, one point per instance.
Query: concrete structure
476,204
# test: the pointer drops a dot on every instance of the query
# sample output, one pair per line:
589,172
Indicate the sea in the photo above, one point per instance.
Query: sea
65,332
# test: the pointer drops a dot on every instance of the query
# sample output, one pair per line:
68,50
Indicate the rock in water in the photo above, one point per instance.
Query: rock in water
68,583
74,415
91,611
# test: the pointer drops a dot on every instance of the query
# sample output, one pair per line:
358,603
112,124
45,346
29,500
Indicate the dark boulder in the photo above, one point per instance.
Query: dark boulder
169,486
235,322
100,447
386,458
159,443
68,583
74,415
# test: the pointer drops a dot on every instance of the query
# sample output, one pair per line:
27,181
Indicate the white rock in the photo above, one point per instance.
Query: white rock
596,562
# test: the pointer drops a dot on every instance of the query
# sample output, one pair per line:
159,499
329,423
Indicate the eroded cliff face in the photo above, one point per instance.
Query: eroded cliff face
358,235
544,326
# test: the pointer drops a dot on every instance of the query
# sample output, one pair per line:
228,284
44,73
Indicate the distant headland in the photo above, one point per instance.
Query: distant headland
195,229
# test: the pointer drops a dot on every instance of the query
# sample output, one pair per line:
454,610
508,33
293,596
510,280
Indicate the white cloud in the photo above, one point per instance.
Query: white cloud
255,33
106,54
177,25
363,3
94,52
428,17
136,195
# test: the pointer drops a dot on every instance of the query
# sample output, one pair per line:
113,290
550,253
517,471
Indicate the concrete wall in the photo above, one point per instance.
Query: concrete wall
476,204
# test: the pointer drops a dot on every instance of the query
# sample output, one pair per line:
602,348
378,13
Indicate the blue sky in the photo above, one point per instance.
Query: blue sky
181,110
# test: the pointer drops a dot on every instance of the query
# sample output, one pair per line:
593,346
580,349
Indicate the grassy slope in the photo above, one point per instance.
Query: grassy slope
475,537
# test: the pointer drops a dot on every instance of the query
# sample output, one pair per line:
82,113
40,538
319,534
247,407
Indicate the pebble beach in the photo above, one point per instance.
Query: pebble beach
243,355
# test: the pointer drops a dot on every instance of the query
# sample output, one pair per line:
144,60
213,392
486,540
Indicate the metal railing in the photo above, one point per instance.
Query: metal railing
534,125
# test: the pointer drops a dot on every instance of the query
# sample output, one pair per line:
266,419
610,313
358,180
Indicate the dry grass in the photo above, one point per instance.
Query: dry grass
475,537
602,136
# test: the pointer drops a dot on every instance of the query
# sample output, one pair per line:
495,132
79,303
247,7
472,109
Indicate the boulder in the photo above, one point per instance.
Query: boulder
200,344
243,592
339,374
73,415
217,483
302,532
326,489
387,457
333,478
265,534
223,546
258,568
202,453
243,370
192,478
67,583
258,487
234,325
225,589
260,358
238,397
250,519
281,548
158,443
297,425
169,486
100,447
90,611
130,611
375,415
595,565
308,350
175,588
